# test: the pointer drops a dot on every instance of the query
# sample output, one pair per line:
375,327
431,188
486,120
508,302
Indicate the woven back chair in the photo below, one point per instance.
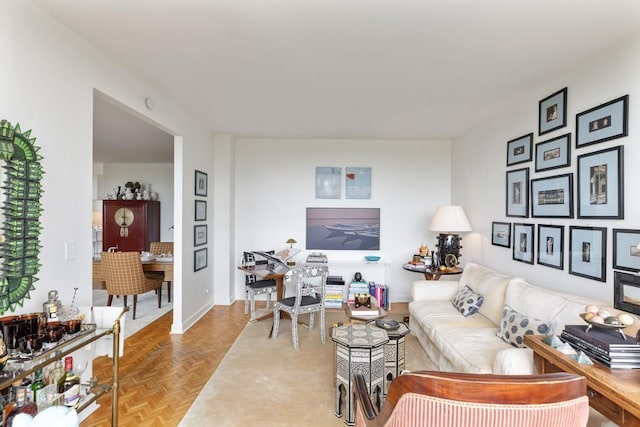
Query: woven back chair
439,399
124,276
160,248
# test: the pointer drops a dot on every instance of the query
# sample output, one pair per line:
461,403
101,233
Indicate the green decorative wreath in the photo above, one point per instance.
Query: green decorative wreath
20,235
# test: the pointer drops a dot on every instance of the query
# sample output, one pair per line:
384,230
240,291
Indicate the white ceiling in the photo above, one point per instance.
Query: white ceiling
346,68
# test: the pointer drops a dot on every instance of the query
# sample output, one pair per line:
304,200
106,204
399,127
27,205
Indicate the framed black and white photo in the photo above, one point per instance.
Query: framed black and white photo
588,252
519,149
200,259
603,123
551,246
600,184
517,193
199,235
552,197
200,210
554,153
201,183
626,292
552,113
501,234
523,244
626,250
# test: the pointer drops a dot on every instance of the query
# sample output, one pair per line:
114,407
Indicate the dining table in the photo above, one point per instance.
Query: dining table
164,265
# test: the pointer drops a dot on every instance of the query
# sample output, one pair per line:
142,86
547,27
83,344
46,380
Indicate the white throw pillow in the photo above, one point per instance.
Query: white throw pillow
515,326
466,301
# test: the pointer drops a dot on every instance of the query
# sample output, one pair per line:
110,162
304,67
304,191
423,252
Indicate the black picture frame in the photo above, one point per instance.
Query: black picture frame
552,112
553,153
501,234
601,184
523,243
603,123
588,252
625,291
519,150
551,246
201,183
200,259
626,249
517,193
552,197
200,234
200,210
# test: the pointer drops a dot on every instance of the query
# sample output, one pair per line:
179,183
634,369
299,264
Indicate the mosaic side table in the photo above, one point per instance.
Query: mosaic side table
359,350
394,355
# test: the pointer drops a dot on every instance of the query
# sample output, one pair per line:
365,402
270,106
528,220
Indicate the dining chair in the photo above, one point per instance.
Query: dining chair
310,283
124,276
160,248
254,286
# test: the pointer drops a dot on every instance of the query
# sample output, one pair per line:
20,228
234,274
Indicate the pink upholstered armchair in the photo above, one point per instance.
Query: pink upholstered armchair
446,399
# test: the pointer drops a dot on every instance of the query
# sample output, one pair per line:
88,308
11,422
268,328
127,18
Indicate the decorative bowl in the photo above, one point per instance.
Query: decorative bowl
372,258
389,325
602,325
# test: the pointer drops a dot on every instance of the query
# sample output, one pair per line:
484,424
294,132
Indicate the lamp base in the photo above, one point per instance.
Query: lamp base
448,244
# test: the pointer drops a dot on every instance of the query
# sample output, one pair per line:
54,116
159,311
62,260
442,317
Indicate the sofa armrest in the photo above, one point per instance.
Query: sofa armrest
432,290
514,361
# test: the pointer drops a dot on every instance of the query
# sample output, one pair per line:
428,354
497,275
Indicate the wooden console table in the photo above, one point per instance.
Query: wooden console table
615,393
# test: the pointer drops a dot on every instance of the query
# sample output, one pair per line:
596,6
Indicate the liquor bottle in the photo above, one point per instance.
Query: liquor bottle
37,385
22,406
56,373
69,384
52,308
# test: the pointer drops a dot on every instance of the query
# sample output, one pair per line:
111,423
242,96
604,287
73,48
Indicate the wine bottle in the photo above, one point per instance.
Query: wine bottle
69,384
37,385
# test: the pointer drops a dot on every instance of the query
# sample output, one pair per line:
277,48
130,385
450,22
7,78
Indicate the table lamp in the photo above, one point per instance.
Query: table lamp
291,241
449,221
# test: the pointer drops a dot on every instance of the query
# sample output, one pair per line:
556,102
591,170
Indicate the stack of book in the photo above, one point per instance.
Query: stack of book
363,310
381,293
605,346
334,292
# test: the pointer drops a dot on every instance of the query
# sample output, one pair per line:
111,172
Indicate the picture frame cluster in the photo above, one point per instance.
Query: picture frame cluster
200,231
590,186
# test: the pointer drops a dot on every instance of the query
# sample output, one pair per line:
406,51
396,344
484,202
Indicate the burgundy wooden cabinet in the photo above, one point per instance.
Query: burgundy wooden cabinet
130,225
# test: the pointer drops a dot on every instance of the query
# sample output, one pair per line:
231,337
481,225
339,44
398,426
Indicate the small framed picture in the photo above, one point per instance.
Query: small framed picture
603,123
588,252
626,250
200,257
552,197
523,244
554,153
501,234
551,246
517,193
552,112
626,292
200,210
600,184
519,149
199,235
201,184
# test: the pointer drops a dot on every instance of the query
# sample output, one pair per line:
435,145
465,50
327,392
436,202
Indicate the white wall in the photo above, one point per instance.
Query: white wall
482,154
275,183
51,92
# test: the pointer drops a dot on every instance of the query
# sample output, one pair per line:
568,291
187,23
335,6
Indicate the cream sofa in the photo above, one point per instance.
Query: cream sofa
470,344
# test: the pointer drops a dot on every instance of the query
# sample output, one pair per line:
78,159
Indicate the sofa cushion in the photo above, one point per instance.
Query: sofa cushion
491,285
466,301
515,326
469,350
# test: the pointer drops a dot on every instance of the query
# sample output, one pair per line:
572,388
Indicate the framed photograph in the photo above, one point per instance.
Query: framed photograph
551,246
552,113
517,193
554,153
200,210
603,123
519,149
588,252
199,235
626,250
552,197
200,259
501,234
626,292
357,183
343,229
600,184
201,184
328,181
523,244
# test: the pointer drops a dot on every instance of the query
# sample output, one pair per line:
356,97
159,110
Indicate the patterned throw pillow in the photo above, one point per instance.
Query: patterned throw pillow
515,326
466,301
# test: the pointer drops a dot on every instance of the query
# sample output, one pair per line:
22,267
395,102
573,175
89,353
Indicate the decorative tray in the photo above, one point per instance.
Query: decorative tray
602,325
389,325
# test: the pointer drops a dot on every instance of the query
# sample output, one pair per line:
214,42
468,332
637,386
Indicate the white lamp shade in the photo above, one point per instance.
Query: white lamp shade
449,219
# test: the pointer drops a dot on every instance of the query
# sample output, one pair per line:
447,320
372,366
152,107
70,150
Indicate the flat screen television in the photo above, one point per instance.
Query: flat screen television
343,229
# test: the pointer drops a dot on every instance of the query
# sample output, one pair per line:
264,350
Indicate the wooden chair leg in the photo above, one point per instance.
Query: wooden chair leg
160,296
135,305
169,291
109,300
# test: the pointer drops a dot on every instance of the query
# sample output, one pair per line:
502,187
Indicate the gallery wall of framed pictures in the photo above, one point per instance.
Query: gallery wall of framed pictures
580,185
200,229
